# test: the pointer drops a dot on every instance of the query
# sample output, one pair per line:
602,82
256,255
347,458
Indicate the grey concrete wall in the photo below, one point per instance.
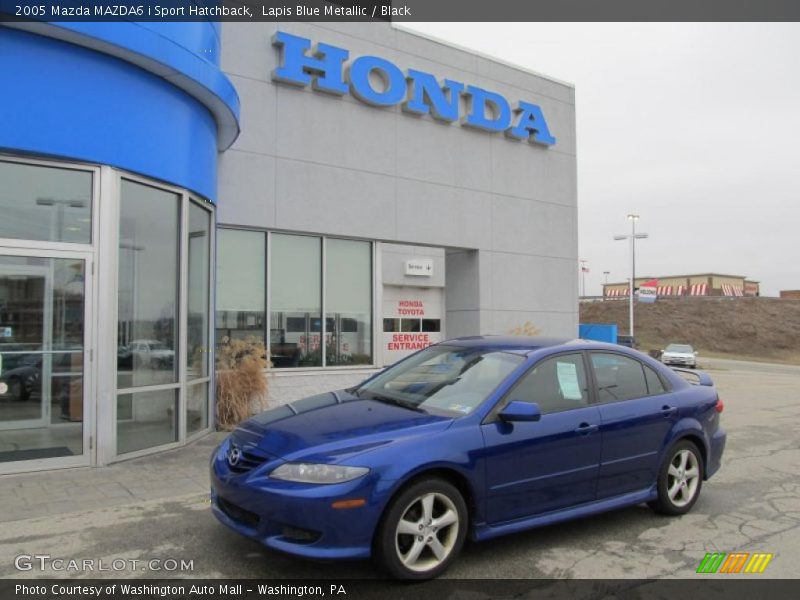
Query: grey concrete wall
288,386
393,264
506,210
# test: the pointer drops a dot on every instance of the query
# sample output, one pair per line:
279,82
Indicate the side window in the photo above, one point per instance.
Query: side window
555,384
618,377
654,385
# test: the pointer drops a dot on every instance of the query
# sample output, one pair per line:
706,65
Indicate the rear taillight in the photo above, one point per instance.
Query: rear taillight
719,406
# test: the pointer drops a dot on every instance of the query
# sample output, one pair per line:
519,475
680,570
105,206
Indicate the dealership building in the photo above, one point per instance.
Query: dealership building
679,286
341,193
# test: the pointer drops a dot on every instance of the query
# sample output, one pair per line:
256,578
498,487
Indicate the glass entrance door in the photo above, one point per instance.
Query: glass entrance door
43,334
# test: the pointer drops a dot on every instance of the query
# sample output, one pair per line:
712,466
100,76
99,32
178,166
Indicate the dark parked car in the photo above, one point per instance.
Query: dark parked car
25,379
627,340
478,437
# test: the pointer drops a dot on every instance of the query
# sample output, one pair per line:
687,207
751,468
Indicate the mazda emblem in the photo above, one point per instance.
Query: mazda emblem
234,456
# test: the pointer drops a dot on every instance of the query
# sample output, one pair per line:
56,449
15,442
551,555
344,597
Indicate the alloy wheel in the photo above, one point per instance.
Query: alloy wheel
427,532
683,477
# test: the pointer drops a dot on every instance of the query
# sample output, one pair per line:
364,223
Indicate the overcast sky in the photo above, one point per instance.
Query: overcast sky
695,127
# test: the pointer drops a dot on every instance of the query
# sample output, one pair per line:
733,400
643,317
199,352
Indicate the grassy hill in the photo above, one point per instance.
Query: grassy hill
759,328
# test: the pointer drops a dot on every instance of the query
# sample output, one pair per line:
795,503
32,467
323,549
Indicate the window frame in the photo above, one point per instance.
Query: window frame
52,245
492,415
642,365
185,198
667,388
376,328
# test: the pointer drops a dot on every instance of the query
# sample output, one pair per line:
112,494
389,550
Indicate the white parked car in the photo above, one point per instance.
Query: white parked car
152,353
679,355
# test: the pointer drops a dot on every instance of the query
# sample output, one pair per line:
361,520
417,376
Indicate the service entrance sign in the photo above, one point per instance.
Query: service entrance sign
411,319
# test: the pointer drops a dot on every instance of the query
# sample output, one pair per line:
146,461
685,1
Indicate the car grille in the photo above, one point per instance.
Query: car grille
248,461
237,513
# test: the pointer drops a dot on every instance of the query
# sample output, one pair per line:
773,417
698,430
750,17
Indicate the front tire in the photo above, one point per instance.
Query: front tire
16,390
679,479
422,531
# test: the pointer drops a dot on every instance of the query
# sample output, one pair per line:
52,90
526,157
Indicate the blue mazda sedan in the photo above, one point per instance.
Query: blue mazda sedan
479,437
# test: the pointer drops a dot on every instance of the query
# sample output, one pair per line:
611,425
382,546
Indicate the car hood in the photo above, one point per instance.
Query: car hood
331,427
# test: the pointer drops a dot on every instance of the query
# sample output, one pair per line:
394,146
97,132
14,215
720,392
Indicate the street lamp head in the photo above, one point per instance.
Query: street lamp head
632,217
641,236
620,237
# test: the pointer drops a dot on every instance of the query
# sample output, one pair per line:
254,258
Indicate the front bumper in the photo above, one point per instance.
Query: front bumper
679,362
293,517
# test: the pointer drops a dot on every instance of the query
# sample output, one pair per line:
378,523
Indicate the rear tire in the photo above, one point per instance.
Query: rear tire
679,479
422,531
16,390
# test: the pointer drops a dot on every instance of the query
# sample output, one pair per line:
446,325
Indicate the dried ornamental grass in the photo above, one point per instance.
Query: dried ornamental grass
526,329
241,381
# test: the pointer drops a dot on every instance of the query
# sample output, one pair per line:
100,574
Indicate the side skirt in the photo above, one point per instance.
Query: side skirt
485,532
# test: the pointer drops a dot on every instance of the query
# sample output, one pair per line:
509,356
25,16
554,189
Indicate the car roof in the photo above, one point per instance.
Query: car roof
527,344
509,342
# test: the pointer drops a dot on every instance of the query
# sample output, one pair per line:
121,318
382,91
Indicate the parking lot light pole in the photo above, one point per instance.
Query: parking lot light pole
584,268
632,284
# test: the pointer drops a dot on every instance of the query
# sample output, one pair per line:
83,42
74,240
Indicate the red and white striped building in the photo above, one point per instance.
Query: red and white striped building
703,284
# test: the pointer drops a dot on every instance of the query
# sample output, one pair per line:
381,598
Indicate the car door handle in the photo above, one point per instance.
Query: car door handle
585,428
668,411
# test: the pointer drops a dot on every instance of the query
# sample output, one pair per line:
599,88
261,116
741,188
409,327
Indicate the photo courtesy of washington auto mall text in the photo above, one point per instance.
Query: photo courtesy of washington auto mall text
177,589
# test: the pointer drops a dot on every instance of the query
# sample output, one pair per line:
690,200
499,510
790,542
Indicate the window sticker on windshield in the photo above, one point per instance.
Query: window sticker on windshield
568,381
460,408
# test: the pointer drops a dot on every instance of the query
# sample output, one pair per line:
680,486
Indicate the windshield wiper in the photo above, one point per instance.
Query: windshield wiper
397,402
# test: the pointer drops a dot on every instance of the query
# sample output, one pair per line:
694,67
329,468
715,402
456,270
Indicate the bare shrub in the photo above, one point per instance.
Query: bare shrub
241,381
527,329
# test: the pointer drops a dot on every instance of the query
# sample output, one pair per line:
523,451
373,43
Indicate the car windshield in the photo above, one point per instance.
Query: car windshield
680,348
448,378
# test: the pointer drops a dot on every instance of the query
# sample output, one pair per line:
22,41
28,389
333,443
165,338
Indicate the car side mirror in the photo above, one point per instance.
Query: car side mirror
517,410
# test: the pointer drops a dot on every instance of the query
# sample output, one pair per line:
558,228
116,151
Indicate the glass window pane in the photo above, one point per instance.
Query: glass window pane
41,357
409,325
555,384
148,286
348,302
45,203
431,325
618,377
296,289
196,408
197,353
391,325
241,273
654,385
146,419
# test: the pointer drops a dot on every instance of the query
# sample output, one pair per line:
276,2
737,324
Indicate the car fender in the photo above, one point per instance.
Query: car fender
418,460
688,427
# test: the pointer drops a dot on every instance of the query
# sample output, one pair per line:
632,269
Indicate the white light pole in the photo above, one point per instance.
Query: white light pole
584,268
632,285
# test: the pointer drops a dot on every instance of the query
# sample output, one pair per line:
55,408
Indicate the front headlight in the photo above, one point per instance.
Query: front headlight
317,473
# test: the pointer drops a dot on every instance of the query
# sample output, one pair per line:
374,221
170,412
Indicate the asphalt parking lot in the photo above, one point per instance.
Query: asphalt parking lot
751,505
